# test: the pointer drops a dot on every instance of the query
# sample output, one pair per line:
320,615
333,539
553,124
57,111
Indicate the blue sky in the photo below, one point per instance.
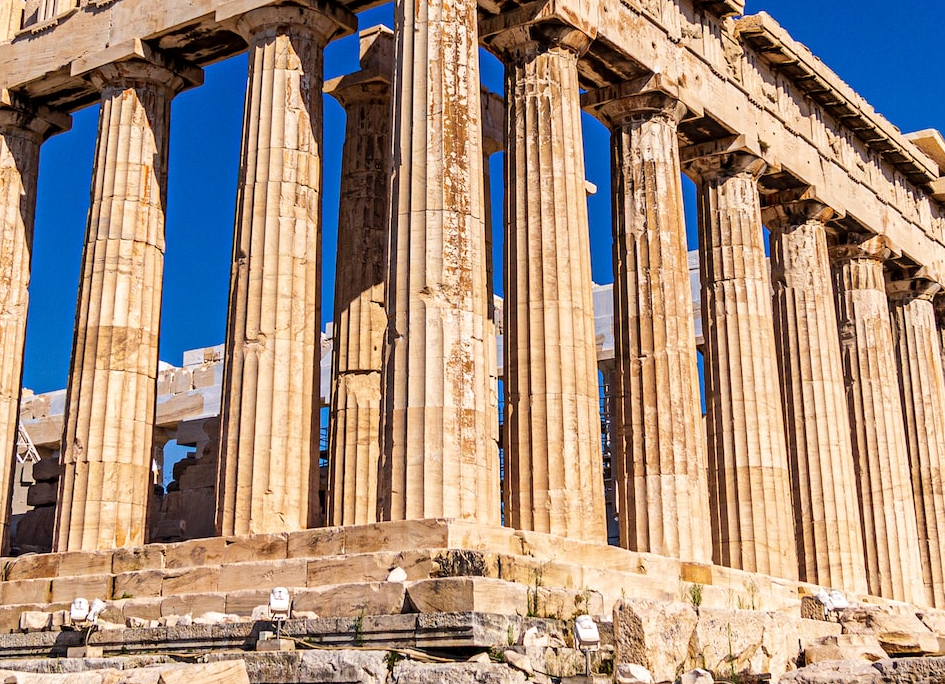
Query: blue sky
893,58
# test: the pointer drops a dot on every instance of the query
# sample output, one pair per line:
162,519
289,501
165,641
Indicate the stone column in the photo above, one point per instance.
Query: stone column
360,319
438,454
22,131
553,456
269,446
922,384
658,441
887,507
105,489
753,524
817,426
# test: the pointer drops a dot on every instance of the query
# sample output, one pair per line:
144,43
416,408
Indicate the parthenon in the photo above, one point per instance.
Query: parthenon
820,458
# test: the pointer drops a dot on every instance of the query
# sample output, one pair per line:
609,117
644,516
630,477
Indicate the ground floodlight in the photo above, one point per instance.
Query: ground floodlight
586,633
96,608
280,603
79,611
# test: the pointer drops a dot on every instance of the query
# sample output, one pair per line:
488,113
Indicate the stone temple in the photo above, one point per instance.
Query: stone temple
818,464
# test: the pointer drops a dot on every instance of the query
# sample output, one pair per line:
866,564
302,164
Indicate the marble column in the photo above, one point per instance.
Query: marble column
360,319
438,456
658,441
816,423
105,489
749,480
887,506
922,385
269,447
22,131
553,455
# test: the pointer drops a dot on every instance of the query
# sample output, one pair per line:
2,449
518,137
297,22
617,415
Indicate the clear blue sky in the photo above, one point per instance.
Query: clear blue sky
893,57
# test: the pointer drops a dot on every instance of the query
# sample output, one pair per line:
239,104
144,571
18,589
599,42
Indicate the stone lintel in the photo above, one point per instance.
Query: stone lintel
937,188
571,23
931,143
878,247
136,50
338,21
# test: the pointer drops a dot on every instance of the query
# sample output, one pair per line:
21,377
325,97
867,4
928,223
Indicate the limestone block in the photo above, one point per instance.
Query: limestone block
410,672
845,647
465,563
195,553
35,531
85,563
190,580
653,634
406,534
565,604
917,670
34,621
352,600
934,620
150,557
362,567
898,630
243,603
193,604
284,573
181,381
47,470
33,566
199,475
258,547
461,594
143,583
314,543
834,672
528,571
65,589
207,377
344,667
466,534
26,591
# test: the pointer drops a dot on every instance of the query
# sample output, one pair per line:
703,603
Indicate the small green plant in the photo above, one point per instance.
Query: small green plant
695,595
753,594
533,596
392,658
511,636
359,630
126,595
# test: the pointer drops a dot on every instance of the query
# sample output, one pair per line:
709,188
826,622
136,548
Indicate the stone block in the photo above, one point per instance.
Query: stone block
33,566
361,567
193,604
465,563
35,530
344,667
77,563
834,672
26,591
199,475
564,604
812,609
654,634
467,594
845,647
899,631
243,602
65,589
255,548
224,672
409,672
934,620
268,575
34,621
205,377
397,536
42,494
144,609
352,600
150,557
477,537
316,543
190,580
140,584
697,573
195,553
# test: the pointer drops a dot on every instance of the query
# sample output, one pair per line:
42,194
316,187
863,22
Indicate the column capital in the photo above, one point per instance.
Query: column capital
785,211
877,247
18,115
634,101
254,19
372,83
136,61
520,35
911,289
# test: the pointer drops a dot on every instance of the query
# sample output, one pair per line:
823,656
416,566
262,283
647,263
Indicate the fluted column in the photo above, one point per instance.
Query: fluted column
360,319
270,435
22,131
105,489
922,385
553,457
887,506
817,426
438,455
658,441
753,524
